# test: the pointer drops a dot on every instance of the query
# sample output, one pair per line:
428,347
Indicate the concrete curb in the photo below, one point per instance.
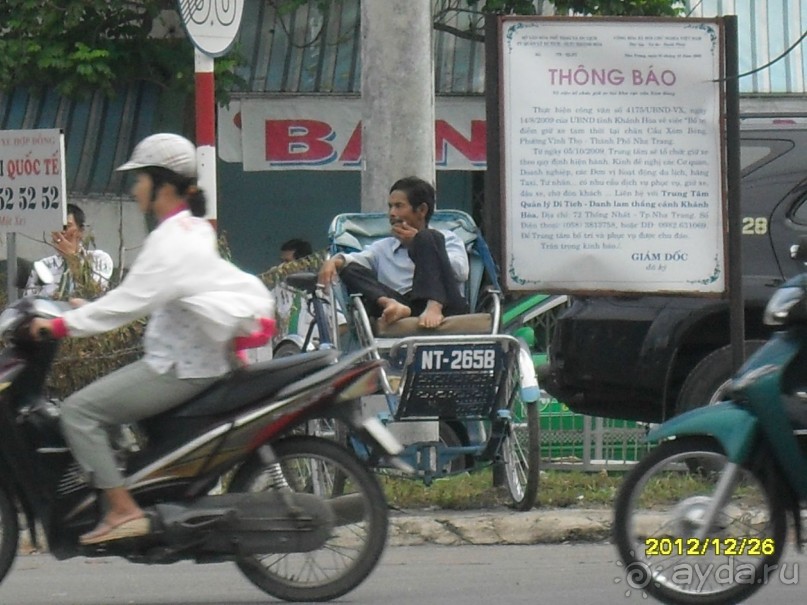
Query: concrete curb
485,527
499,526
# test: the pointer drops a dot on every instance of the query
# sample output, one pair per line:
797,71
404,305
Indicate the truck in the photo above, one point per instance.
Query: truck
650,357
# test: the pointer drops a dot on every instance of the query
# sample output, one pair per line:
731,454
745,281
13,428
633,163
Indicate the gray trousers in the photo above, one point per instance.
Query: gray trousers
132,393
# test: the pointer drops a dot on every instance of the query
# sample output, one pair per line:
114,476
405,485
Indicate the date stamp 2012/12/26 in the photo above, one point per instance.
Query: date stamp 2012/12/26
728,547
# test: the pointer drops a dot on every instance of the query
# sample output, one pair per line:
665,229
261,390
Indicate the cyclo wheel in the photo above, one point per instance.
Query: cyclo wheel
521,452
659,544
310,465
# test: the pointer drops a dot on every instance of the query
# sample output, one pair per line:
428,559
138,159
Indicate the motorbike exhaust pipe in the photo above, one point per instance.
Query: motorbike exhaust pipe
251,523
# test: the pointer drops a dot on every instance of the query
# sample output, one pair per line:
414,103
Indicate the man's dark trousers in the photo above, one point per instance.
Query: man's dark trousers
433,279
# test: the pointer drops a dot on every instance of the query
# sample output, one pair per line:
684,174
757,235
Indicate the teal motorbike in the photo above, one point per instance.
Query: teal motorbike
703,518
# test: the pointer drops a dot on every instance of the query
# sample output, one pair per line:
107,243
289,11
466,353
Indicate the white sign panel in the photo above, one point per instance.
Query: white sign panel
612,155
32,182
309,133
212,24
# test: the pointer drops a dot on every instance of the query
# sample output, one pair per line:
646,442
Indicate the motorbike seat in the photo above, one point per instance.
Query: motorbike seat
255,382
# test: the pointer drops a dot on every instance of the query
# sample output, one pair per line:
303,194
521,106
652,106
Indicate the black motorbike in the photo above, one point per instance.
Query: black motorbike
231,474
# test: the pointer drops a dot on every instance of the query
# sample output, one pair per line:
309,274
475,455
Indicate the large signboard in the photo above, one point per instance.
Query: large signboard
612,155
310,133
32,182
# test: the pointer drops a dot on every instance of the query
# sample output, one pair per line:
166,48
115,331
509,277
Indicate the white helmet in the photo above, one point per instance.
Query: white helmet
165,150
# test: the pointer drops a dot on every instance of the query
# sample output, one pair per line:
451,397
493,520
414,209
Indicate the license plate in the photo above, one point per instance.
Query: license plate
457,358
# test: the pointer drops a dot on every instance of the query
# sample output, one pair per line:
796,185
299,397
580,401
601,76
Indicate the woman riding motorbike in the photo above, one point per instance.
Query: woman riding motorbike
198,304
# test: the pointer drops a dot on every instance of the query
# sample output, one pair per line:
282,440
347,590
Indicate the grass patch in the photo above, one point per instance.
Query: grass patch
557,489
562,489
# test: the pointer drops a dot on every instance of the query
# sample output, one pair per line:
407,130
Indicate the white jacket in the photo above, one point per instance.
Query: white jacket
198,301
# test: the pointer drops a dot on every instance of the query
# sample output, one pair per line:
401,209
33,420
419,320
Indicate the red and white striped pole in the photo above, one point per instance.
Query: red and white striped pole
206,130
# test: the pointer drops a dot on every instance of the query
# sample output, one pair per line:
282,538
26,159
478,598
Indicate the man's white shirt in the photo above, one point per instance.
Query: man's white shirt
100,265
390,261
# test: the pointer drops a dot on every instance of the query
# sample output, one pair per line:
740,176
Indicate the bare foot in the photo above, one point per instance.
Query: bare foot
393,310
432,316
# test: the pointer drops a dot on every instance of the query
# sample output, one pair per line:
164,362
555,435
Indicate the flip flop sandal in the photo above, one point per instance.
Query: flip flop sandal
128,529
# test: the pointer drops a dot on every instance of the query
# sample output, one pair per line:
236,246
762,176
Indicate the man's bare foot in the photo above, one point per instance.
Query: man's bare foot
432,316
393,310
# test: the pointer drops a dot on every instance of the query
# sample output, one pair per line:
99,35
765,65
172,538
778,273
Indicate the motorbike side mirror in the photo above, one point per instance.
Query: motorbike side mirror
43,274
799,251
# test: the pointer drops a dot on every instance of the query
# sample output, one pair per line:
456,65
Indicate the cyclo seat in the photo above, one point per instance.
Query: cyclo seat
352,232
470,323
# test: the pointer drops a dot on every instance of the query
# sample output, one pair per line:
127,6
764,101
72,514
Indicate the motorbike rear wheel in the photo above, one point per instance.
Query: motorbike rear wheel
665,548
320,466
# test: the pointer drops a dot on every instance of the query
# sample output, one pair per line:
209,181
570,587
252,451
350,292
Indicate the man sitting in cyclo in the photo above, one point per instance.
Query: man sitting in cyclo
416,271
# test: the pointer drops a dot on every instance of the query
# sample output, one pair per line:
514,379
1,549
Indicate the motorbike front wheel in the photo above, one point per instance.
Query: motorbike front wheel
319,466
668,547
9,532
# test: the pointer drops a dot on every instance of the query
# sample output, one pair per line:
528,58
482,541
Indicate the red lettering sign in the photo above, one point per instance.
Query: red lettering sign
304,142
473,149
352,151
299,142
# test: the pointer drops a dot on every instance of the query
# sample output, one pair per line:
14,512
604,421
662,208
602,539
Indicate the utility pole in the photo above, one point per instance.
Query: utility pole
212,31
397,91
397,98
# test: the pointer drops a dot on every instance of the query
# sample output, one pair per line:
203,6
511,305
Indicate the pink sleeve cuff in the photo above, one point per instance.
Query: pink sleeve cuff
59,328
258,338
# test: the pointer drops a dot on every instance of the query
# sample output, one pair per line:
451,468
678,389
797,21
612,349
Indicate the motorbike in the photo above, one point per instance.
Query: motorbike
230,475
703,517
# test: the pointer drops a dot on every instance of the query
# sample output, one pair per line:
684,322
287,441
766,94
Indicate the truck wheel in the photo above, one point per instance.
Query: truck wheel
708,379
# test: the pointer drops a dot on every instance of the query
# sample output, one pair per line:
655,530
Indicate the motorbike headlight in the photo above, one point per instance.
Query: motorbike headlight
779,307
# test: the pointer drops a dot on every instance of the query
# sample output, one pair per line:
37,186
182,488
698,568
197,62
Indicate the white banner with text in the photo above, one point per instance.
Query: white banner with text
324,133
32,182
612,155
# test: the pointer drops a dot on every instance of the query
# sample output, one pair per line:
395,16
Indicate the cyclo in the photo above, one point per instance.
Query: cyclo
471,390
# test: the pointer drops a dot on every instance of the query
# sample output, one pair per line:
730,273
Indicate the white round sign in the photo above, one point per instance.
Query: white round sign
212,24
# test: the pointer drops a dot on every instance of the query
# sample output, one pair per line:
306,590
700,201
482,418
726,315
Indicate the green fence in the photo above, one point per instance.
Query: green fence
568,439
577,440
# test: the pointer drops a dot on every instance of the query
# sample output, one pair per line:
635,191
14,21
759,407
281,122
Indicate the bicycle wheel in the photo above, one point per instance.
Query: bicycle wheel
310,465
665,548
521,452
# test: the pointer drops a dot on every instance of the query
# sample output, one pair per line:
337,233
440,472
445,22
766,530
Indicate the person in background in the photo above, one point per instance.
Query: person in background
71,259
294,249
416,271
198,303
291,307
